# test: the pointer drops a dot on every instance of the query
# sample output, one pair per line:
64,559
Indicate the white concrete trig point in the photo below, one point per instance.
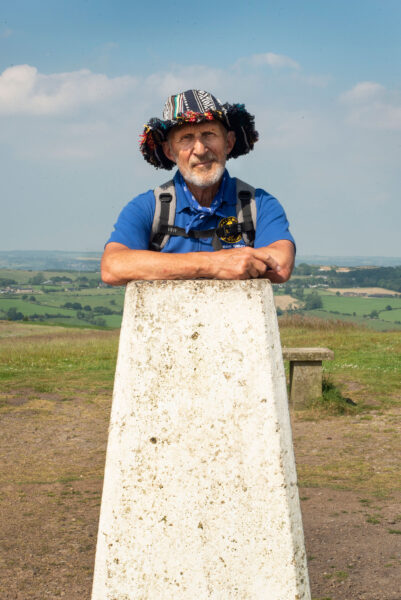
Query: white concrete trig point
200,497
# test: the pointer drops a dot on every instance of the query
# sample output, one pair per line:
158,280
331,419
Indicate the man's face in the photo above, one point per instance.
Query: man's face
200,151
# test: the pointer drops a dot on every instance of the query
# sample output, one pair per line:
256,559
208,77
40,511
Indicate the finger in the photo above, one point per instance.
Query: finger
253,272
259,267
268,260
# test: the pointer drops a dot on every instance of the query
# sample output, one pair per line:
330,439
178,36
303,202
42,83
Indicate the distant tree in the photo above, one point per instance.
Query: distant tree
37,279
102,310
298,292
113,302
25,296
312,301
6,281
303,269
388,307
374,314
87,307
14,315
338,294
32,298
73,305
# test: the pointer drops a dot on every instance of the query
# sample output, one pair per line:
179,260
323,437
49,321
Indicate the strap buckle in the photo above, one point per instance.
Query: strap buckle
244,195
165,197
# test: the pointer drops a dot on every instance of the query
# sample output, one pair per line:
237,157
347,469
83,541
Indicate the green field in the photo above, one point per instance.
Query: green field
50,308
372,358
359,309
46,302
363,305
86,289
23,276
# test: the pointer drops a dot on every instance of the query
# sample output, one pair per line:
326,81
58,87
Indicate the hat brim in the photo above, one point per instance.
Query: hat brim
234,117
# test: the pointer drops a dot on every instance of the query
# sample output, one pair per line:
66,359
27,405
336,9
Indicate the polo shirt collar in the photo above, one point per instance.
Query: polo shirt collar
183,203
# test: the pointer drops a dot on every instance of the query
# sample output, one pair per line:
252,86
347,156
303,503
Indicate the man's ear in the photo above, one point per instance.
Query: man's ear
167,151
230,141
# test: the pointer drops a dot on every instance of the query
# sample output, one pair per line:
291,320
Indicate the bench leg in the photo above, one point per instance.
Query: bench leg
305,382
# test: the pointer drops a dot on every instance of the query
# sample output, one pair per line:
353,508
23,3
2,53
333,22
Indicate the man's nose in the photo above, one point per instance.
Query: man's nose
199,146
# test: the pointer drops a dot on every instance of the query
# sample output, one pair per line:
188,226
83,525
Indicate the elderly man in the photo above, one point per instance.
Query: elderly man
203,223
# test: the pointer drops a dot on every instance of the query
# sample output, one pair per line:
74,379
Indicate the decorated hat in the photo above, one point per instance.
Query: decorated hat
196,106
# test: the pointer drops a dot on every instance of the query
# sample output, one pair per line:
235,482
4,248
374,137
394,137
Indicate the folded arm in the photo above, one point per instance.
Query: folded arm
120,264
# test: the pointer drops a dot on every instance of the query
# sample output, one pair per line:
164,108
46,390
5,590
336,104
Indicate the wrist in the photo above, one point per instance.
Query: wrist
206,265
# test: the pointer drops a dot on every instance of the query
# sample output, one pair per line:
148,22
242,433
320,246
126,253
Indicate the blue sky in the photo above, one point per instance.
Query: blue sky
79,79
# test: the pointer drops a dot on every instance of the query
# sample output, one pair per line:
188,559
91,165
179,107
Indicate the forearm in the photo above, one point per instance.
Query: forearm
283,252
120,265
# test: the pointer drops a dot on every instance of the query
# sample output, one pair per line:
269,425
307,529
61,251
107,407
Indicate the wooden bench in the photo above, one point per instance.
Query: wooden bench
306,373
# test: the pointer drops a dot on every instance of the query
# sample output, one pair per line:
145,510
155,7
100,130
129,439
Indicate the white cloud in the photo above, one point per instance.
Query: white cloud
23,90
371,106
321,157
276,61
362,92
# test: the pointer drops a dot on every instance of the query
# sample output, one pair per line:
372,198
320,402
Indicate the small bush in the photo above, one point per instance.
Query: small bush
332,401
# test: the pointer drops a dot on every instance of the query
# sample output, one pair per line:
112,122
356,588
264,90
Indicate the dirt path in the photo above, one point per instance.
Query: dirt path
52,456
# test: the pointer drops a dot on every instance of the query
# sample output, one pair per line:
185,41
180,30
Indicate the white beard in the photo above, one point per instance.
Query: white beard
204,180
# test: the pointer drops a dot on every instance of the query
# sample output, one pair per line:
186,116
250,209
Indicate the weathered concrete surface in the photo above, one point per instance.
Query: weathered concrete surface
306,354
306,381
306,373
200,497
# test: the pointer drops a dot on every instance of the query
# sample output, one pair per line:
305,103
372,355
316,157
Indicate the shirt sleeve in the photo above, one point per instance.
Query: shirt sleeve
134,224
271,221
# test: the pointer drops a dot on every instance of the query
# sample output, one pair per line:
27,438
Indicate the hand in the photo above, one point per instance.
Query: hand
243,263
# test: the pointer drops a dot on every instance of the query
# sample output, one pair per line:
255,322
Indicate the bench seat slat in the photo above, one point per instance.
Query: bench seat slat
305,354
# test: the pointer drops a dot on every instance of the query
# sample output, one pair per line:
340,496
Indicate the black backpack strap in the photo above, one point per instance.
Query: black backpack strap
164,217
246,211
165,208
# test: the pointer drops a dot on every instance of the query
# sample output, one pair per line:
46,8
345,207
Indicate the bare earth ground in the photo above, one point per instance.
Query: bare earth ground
48,531
52,452
285,301
364,291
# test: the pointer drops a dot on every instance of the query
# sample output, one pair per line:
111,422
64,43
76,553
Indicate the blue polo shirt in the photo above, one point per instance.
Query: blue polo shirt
134,224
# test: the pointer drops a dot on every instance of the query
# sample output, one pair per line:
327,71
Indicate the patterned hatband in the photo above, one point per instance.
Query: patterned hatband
196,106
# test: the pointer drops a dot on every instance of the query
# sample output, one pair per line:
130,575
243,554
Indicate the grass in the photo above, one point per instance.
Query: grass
46,373
332,402
60,364
375,324
366,365
357,310
360,305
51,304
50,299
22,276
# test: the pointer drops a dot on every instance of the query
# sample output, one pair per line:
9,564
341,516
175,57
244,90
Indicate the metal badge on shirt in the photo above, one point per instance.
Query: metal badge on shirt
228,232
